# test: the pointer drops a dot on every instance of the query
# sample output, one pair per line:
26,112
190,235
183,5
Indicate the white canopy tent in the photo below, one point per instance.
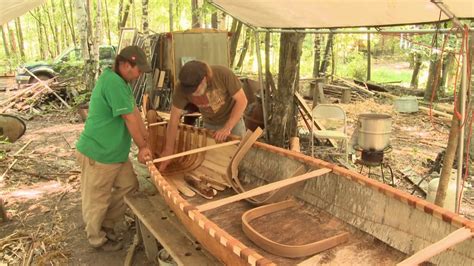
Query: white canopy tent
324,14
291,15
11,9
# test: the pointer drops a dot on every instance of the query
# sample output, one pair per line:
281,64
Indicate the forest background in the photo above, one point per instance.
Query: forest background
407,59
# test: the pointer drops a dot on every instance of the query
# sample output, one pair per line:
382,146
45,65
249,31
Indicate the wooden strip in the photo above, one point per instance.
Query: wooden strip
157,124
198,150
262,189
450,240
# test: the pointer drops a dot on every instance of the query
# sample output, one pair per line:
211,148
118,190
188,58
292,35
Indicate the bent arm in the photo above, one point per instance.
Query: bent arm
237,110
136,128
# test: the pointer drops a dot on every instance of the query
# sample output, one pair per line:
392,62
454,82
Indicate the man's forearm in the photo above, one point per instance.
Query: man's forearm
133,126
236,113
141,125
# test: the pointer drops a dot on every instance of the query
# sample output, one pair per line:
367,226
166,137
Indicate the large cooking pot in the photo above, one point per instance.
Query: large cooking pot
374,131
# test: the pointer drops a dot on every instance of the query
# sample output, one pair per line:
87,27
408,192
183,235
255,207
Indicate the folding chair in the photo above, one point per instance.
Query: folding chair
332,120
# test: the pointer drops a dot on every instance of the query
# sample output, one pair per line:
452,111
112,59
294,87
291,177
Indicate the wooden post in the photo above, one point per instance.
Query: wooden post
346,95
295,144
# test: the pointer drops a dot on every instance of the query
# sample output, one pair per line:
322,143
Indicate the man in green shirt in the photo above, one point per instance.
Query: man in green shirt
218,94
104,145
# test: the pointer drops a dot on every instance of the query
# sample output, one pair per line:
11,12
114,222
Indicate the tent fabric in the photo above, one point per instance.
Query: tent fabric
320,14
11,9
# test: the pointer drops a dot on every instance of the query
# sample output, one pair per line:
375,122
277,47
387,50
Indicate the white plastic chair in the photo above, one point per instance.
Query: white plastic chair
332,119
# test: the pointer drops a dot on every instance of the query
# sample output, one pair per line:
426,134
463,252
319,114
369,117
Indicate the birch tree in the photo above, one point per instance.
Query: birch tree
19,36
5,43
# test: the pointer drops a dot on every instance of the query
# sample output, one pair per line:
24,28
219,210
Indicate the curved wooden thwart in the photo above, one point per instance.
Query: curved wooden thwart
283,250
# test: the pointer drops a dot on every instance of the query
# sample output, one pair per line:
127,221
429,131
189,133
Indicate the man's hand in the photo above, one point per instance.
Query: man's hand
221,134
164,164
144,155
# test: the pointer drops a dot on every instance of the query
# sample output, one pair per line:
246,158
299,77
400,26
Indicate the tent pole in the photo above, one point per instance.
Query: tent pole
260,80
444,8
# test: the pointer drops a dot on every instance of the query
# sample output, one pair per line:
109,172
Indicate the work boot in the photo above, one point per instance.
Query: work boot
110,246
110,234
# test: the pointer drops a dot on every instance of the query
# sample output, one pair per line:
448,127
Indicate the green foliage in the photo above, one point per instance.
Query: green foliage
354,66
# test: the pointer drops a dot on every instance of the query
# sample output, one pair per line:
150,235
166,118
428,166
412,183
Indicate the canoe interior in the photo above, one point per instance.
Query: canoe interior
383,227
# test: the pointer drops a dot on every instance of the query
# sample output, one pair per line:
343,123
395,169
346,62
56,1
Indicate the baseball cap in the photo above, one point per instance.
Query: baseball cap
136,55
191,75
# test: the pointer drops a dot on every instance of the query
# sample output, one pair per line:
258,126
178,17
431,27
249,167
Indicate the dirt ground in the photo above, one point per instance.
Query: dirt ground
42,189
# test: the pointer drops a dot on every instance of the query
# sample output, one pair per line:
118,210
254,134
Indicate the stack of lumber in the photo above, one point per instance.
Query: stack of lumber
25,99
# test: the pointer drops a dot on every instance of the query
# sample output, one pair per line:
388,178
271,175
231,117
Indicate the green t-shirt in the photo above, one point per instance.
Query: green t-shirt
216,104
105,137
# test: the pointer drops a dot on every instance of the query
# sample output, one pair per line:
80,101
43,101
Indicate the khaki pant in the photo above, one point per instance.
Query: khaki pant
103,187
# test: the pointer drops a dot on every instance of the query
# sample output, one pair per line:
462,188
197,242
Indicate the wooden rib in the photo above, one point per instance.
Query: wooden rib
450,240
177,155
289,251
244,147
262,189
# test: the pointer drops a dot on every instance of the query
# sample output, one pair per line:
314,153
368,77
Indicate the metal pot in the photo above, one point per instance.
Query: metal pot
374,131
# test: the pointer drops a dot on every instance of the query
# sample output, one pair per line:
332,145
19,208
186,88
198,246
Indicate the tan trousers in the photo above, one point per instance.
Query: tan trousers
102,189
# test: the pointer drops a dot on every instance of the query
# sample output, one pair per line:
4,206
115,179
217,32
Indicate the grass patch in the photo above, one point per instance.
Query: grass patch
384,74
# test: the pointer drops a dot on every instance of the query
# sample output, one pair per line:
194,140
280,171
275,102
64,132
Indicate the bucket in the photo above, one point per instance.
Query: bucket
374,131
406,104
449,201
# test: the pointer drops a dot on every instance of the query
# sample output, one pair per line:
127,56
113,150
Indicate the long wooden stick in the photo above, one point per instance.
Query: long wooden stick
262,189
450,240
198,150
157,124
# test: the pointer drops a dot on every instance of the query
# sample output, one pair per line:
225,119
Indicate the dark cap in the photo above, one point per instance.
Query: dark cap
191,75
136,55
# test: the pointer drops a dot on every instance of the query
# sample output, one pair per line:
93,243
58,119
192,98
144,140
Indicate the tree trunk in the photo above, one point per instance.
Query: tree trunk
119,15
214,20
433,75
19,35
5,43
69,21
170,12
12,39
53,30
245,47
86,38
282,124
317,55
470,129
126,12
196,14
327,53
107,23
448,161
369,65
236,29
269,82
416,70
448,63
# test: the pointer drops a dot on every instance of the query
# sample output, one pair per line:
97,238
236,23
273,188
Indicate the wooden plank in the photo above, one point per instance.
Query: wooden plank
262,190
430,251
198,150
149,242
168,233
